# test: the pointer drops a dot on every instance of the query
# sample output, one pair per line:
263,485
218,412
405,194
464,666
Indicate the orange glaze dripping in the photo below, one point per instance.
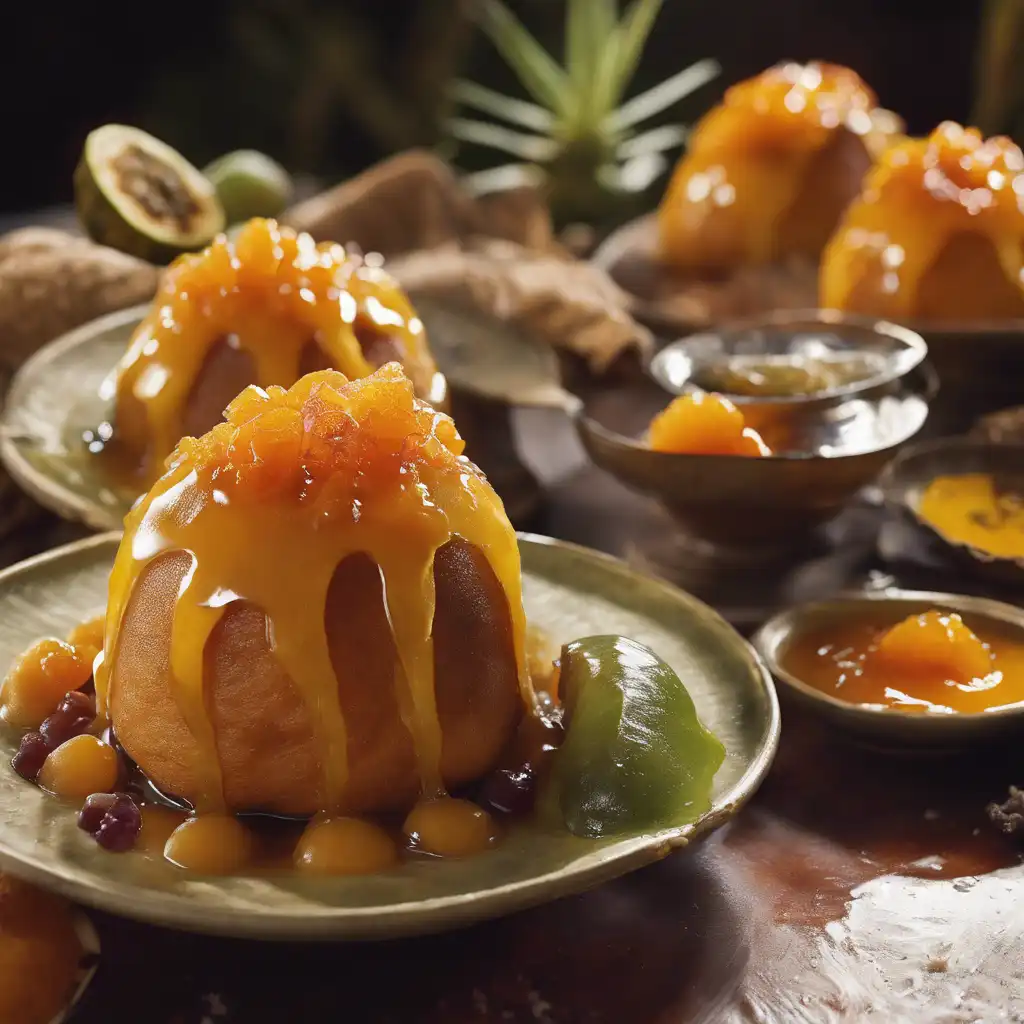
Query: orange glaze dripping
270,294
269,503
751,189
937,232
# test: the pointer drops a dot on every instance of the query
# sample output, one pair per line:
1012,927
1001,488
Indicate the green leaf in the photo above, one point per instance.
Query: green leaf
526,147
662,96
589,24
657,140
536,68
518,112
631,39
503,178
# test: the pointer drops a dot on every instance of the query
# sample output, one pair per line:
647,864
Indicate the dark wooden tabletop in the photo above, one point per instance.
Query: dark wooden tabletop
856,887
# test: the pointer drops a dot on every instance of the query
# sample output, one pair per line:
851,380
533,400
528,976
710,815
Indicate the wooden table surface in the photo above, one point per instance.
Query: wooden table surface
855,887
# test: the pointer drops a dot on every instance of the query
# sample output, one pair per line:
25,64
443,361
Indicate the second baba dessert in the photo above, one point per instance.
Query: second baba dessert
936,235
262,309
769,171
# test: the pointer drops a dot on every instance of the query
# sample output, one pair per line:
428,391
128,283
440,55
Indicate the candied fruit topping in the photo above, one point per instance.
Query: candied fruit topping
704,424
936,643
278,300
324,439
937,231
768,172
39,680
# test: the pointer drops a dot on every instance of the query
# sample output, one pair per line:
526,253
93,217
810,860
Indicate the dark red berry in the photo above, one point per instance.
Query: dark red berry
510,790
112,819
74,715
29,759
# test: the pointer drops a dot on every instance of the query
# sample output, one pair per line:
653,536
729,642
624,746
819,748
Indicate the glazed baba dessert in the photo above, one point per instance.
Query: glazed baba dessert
315,616
770,170
264,309
937,234
932,662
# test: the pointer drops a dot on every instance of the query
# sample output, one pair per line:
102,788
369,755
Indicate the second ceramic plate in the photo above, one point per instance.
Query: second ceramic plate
53,401
569,592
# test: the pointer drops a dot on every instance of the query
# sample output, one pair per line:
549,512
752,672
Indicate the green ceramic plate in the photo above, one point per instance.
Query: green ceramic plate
570,592
55,399
52,401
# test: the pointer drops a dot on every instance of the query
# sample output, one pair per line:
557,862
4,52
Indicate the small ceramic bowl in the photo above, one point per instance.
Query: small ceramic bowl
748,505
879,353
886,727
904,480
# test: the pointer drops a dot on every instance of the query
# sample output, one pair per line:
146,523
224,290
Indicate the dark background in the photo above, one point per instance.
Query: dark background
330,87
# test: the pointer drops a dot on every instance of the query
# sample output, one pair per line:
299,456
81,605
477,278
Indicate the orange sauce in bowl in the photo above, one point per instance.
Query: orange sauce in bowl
931,662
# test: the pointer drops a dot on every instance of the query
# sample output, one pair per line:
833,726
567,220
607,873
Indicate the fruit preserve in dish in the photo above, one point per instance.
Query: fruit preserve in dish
929,662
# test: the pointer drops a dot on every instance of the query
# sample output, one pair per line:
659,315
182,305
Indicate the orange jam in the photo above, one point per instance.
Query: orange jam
936,234
769,171
40,954
263,309
704,423
931,662
317,609
971,509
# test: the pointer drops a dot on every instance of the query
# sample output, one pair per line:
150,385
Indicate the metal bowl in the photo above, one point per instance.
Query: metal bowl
905,478
886,727
750,504
888,353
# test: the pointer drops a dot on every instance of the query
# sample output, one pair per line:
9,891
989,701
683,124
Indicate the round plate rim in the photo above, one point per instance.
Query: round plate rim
411,918
41,486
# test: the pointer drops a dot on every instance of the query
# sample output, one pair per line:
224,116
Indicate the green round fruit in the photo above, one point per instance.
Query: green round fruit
137,194
250,184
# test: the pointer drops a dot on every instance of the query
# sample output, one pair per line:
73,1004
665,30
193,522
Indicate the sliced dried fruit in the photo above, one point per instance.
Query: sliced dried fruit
137,194
249,184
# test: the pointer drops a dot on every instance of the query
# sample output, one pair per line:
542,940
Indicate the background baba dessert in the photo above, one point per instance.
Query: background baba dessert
770,170
936,235
261,309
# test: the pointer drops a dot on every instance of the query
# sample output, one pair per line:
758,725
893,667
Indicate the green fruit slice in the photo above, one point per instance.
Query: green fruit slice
250,184
137,194
635,757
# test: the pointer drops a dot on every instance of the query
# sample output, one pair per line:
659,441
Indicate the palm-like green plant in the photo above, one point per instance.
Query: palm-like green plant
580,136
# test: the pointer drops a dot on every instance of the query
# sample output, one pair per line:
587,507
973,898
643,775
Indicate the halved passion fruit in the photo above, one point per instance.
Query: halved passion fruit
137,194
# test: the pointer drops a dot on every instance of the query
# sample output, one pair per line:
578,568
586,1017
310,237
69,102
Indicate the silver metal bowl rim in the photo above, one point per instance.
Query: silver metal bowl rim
914,344
784,625
586,423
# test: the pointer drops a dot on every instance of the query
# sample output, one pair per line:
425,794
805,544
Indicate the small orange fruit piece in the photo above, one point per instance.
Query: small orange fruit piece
704,424
39,679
